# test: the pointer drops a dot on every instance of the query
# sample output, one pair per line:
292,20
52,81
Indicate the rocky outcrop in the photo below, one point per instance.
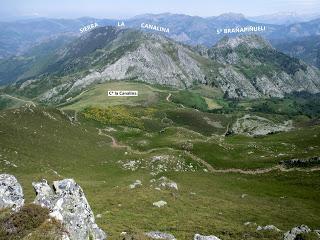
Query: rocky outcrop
308,162
137,183
160,204
68,204
268,228
166,183
291,235
258,126
160,235
11,195
201,237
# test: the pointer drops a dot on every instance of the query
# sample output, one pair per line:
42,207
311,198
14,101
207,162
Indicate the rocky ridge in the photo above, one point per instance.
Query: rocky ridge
252,68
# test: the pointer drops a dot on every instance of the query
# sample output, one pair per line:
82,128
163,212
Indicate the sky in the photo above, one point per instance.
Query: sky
128,8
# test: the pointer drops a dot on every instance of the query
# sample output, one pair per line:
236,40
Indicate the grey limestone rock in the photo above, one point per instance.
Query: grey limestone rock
160,235
11,194
268,228
201,237
68,204
291,235
164,182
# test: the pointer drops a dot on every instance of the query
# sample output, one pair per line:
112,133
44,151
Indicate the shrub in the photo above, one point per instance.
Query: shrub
18,224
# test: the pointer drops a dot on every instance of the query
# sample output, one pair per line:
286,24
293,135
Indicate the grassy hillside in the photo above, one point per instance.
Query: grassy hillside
221,180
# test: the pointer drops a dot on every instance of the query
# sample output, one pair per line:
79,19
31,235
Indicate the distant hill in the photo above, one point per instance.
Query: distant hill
284,18
305,48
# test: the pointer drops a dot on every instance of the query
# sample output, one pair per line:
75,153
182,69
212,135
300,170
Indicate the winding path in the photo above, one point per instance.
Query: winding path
209,166
114,142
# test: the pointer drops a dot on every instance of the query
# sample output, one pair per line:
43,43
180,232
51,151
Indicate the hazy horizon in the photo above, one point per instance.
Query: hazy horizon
17,9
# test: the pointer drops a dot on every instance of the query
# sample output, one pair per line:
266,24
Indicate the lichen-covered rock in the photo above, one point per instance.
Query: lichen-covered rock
201,237
160,235
137,183
268,228
160,204
291,235
164,182
68,204
11,194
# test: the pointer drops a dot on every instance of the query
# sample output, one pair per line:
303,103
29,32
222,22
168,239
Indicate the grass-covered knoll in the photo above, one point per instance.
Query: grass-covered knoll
190,99
97,96
203,123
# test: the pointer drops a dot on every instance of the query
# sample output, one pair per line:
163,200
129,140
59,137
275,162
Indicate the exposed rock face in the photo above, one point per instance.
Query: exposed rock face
252,68
68,204
160,235
291,235
11,195
152,63
258,126
201,237
235,85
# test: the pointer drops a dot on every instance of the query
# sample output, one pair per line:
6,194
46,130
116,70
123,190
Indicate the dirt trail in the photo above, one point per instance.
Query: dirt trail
208,166
114,141
253,171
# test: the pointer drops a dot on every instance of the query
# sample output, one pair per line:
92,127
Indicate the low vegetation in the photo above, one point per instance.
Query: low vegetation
31,222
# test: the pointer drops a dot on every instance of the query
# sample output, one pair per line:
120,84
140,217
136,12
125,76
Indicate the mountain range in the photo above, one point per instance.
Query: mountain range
246,66
18,36
284,18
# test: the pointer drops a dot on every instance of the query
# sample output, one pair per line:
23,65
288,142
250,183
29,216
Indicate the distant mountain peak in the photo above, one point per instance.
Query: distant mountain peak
251,41
230,17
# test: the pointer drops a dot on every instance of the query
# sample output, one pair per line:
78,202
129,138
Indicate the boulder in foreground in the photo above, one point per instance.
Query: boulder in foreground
11,195
68,204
